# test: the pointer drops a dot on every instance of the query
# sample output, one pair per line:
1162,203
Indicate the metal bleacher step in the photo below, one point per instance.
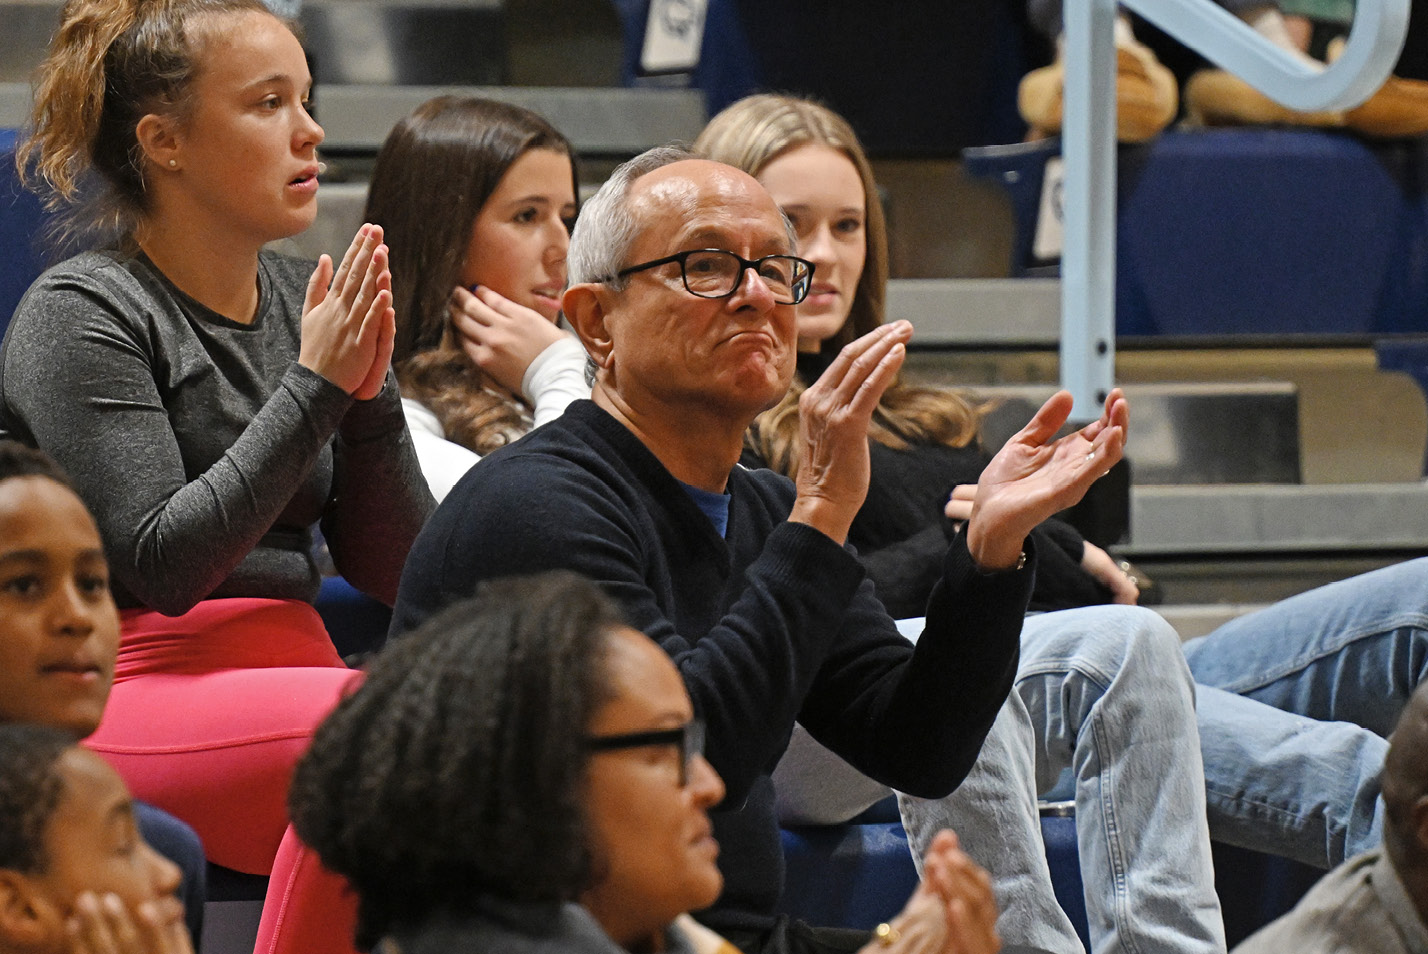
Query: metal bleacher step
1239,544
602,121
1197,619
1184,432
1233,519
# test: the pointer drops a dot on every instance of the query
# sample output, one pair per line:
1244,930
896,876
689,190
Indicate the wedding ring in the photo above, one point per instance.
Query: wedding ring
886,934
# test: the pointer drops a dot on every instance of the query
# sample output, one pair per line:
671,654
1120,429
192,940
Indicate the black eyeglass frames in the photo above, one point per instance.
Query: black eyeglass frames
688,737
716,273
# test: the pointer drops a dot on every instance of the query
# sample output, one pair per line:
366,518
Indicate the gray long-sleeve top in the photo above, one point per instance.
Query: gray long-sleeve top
204,450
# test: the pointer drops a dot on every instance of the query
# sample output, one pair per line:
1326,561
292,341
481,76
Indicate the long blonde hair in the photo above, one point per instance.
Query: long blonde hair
749,135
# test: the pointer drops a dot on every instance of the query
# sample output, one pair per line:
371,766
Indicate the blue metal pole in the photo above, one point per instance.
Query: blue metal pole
1088,258
1088,261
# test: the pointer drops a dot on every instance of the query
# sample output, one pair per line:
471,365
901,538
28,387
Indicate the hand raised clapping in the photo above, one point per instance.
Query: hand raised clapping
834,414
1033,476
106,926
1094,560
348,325
951,912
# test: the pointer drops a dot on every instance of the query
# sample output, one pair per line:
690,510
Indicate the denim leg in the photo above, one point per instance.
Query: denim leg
1286,784
994,815
1350,654
1109,697
1352,651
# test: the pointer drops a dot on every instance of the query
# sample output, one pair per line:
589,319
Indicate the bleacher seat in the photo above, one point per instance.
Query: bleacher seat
225,884
356,622
861,873
22,221
847,875
1253,232
906,89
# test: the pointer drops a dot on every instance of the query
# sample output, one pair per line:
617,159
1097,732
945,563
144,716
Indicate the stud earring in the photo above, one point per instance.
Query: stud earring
173,163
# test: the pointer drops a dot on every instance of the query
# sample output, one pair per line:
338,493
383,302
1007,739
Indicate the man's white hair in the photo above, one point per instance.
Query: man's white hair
606,229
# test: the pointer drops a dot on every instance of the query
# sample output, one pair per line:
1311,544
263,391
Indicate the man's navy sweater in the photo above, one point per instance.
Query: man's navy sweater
772,623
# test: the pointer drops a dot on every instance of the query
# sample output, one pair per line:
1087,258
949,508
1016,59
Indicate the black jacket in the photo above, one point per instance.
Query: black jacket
773,623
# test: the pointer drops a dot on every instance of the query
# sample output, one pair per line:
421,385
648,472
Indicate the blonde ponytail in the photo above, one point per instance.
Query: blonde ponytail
110,63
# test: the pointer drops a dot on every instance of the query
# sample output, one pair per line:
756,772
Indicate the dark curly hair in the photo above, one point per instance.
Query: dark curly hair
17,460
30,788
455,770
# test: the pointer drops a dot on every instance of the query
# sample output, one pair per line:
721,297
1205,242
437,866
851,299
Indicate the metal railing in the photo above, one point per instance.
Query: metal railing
1088,263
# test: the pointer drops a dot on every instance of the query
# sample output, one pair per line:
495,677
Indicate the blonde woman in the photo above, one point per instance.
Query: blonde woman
1108,699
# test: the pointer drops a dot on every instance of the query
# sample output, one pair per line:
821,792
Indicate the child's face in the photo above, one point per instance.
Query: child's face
91,843
59,630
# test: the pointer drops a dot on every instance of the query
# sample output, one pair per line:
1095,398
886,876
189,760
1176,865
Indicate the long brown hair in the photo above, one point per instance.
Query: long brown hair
110,63
748,135
435,171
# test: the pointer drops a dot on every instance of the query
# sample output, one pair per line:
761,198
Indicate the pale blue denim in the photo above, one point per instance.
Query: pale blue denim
1291,766
1349,654
1105,692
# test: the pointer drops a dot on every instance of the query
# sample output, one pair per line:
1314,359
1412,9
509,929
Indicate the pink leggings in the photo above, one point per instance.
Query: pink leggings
309,910
212,709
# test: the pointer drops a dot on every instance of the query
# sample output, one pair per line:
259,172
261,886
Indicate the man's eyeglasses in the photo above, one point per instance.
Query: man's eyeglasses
688,737
716,273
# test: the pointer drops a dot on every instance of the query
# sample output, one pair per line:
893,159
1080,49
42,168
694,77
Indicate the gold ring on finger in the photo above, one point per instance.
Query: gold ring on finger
886,934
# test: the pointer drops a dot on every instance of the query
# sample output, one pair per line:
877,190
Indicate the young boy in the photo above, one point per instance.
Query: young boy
59,629
76,877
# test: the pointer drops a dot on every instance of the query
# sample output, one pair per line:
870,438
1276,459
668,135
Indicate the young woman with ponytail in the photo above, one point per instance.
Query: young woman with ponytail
212,400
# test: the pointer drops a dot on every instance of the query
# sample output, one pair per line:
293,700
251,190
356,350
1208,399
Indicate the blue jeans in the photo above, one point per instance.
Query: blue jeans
1347,656
1292,708
1105,692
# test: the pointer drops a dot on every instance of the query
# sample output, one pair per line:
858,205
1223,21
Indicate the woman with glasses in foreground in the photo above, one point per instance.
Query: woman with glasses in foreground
525,773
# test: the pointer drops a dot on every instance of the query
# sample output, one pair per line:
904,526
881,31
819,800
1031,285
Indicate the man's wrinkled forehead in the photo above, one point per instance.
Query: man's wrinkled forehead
698,201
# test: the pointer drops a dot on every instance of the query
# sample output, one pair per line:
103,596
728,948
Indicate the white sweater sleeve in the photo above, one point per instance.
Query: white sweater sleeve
443,462
555,378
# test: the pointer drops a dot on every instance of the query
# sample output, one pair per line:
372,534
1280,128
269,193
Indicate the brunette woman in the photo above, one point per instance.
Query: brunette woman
477,198
210,399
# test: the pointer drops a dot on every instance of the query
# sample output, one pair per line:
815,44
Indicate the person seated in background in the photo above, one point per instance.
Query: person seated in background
684,287
76,876
525,773
476,198
59,632
1377,902
1290,767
